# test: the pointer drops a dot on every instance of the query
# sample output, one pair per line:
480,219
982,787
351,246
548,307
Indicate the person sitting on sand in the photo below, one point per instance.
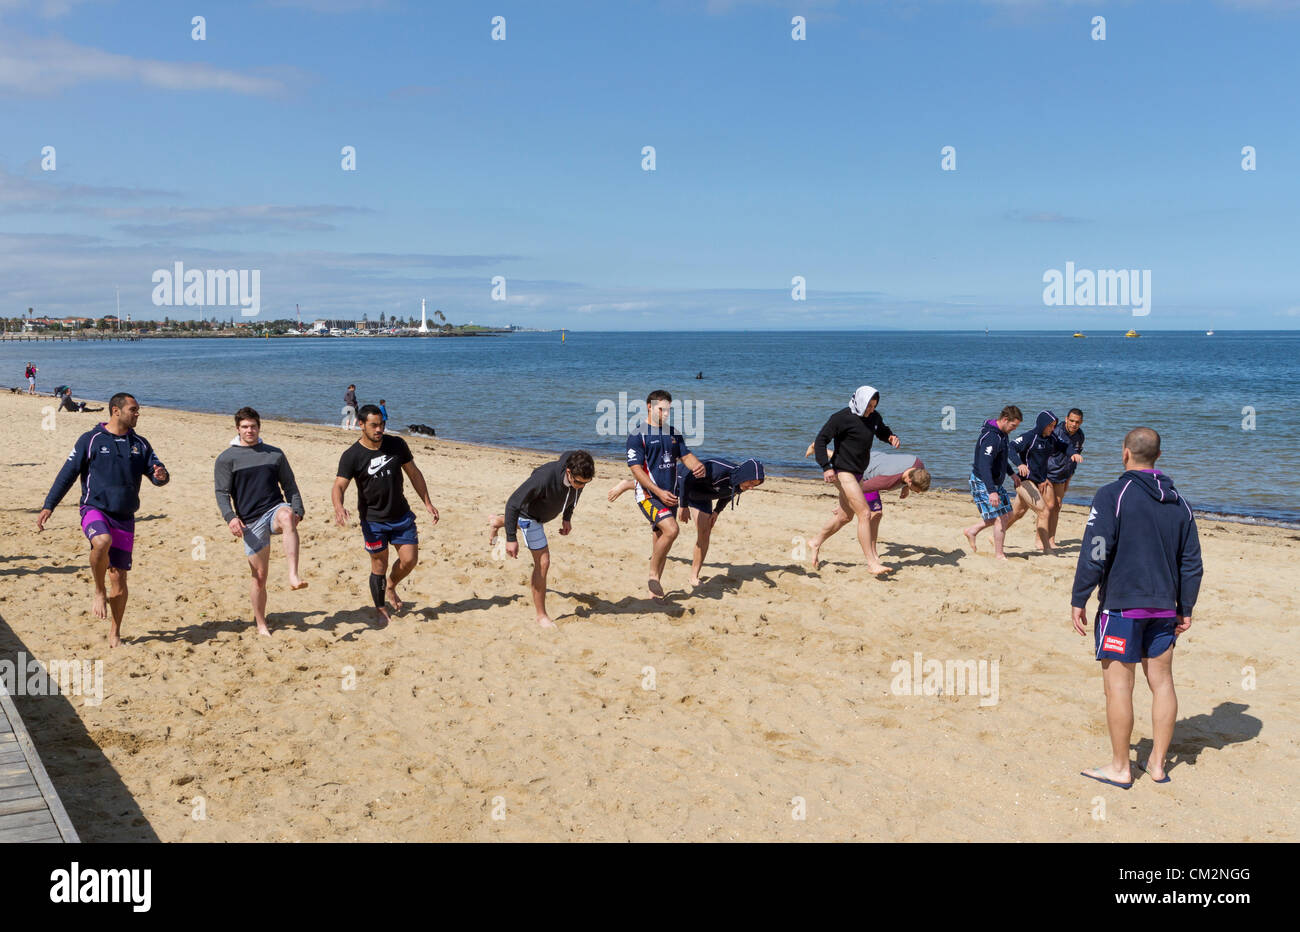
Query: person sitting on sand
704,499
1142,553
64,394
258,497
1030,453
552,490
852,430
110,460
987,475
885,472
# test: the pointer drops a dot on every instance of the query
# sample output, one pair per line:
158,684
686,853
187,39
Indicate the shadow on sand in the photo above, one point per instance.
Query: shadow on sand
1227,724
97,801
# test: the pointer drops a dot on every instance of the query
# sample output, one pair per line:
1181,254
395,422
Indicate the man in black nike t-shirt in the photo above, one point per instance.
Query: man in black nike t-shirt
377,462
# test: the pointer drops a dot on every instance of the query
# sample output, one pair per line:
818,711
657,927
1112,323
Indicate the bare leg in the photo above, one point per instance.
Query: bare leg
495,523
117,602
851,500
665,532
98,568
379,567
1117,678
258,565
541,566
972,531
1042,525
1000,525
837,521
287,522
703,529
1059,489
408,555
873,532
1164,709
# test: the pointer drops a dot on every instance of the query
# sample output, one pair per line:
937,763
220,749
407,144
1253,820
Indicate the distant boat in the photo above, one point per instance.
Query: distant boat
1079,333
1132,333
561,336
1209,333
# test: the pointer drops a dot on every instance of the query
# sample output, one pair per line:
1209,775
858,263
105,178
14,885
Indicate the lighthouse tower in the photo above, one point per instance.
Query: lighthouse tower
424,324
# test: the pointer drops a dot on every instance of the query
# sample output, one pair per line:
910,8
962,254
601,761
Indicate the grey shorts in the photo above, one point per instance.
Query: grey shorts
534,533
257,534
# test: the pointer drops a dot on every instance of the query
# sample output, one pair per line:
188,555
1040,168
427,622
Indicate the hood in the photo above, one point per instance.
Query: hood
750,469
1044,418
1154,483
236,442
861,398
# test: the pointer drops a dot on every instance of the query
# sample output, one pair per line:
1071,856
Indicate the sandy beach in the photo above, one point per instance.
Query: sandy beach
768,692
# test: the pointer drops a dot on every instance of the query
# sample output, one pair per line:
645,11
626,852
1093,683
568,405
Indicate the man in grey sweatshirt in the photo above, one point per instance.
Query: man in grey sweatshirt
253,481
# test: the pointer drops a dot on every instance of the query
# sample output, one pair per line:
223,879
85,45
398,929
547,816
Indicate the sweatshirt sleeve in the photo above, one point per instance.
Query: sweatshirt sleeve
1017,449
572,504
290,486
1097,548
1190,569
883,430
221,477
983,468
824,436
523,495
71,470
151,463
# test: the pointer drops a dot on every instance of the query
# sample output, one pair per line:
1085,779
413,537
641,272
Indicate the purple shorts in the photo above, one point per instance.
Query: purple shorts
121,535
873,501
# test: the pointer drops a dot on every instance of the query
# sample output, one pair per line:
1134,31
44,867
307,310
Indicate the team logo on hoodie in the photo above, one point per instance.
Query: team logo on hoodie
1092,515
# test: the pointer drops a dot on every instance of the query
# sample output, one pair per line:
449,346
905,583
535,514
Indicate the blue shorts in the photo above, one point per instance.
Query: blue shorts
257,534
981,496
534,533
1129,640
379,534
706,505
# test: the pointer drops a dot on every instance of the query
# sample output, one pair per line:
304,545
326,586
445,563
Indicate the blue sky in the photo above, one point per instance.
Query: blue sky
774,158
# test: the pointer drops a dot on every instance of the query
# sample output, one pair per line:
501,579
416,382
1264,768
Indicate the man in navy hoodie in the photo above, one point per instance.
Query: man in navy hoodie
1142,553
110,461
986,478
1030,453
1062,464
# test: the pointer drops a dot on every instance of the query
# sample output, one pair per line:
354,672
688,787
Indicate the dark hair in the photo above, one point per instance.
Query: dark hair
657,395
363,414
119,401
381,401
247,414
1143,443
581,465
351,386
1074,411
1011,413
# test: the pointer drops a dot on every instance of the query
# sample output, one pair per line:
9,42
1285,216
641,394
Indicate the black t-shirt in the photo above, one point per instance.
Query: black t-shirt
378,475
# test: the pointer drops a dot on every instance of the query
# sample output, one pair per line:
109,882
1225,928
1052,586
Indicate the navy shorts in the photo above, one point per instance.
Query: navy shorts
380,534
706,505
1129,640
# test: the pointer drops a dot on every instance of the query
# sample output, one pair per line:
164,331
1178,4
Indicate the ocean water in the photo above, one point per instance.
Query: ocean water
764,394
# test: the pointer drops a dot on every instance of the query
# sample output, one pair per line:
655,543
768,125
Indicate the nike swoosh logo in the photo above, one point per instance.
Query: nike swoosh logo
376,465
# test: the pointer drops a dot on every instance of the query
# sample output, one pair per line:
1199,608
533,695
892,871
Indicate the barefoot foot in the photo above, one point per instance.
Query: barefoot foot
656,590
99,604
545,621
814,556
970,539
381,617
263,630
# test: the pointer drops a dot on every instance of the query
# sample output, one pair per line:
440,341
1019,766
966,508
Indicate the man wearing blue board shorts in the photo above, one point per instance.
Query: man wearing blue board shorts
377,462
1142,553
987,475
551,491
110,461
652,456
258,497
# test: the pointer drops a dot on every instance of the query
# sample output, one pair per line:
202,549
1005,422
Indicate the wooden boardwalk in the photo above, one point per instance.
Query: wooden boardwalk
30,809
